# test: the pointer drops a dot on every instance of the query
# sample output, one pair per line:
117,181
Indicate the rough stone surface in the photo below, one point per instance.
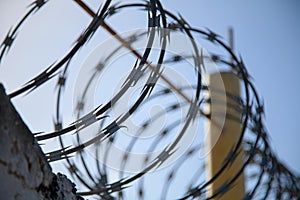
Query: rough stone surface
24,171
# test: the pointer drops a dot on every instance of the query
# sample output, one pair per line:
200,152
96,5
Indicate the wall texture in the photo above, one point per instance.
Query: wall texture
24,171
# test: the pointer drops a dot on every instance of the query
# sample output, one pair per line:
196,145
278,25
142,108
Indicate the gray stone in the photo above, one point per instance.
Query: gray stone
24,171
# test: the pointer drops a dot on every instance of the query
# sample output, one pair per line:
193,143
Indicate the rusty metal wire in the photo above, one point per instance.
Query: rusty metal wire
266,177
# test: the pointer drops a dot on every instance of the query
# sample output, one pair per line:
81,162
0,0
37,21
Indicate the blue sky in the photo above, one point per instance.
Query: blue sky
266,34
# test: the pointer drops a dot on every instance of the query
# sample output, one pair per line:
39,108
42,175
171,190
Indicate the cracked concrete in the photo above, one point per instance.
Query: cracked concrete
24,171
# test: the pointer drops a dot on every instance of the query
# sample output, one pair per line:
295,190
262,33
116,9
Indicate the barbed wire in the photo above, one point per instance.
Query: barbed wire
266,177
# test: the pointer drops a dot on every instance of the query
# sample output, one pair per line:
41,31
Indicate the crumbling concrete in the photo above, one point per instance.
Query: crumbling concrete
24,171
